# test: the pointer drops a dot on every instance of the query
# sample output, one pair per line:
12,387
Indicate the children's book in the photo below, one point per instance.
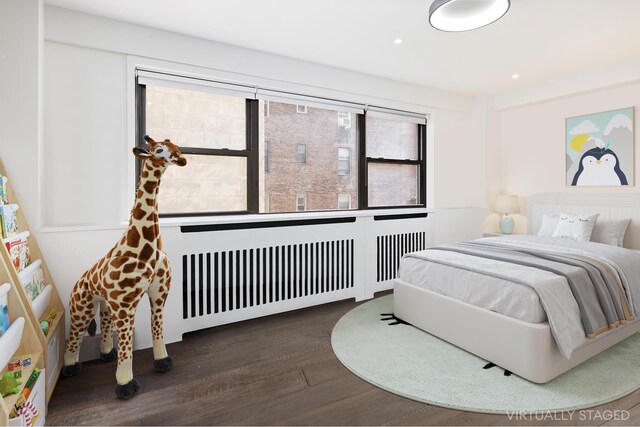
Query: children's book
18,247
9,220
32,279
4,308
3,190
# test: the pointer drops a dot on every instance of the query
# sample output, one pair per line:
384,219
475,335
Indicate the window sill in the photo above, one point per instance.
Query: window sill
231,219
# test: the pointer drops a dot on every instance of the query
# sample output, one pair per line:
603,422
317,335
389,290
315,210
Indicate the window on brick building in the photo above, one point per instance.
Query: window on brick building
344,201
344,119
344,161
242,144
301,153
301,203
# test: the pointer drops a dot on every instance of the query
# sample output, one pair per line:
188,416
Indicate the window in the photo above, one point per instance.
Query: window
344,119
395,162
243,144
301,203
344,161
344,201
301,154
210,130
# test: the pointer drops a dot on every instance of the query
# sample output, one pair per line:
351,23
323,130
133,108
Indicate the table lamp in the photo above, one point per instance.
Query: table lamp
506,205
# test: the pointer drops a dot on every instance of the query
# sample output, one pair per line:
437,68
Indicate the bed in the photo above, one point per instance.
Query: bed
480,304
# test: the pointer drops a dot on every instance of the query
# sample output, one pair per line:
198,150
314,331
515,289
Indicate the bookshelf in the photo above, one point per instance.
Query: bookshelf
20,342
52,344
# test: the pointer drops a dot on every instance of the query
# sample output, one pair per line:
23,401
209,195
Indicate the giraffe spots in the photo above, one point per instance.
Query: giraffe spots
137,212
146,252
122,314
144,174
150,202
149,233
130,254
150,186
133,237
139,193
159,301
152,217
161,272
132,296
128,268
114,275
129,282
118,262
119,323
116,294
157,173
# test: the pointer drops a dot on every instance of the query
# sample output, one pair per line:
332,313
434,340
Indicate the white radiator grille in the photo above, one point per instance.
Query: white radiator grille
218,282
390,249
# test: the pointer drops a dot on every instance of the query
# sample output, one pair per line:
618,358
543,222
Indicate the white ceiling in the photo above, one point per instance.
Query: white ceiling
538,39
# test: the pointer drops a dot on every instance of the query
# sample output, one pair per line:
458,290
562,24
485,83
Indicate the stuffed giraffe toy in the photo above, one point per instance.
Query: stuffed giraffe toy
134,266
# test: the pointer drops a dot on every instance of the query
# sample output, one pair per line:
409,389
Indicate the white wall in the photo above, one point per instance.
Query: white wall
85,183
20,85
532,140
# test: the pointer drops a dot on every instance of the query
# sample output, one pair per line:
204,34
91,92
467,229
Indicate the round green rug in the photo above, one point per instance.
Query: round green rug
409,362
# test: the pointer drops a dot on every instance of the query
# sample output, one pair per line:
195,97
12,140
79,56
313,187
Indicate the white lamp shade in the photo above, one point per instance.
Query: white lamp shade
507,204
464,15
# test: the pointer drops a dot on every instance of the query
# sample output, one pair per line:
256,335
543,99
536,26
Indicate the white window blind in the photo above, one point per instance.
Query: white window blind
398,115
156,78
309,101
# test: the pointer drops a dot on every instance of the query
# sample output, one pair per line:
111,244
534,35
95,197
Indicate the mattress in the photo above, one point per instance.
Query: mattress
499,295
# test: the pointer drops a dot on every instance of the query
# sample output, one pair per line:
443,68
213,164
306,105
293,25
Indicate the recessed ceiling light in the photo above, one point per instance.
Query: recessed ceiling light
397,40
515,76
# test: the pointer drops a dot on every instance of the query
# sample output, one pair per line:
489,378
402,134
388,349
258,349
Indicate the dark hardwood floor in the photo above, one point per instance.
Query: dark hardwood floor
277,370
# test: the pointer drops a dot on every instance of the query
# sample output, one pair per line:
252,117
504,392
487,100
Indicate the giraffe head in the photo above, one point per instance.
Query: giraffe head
163,153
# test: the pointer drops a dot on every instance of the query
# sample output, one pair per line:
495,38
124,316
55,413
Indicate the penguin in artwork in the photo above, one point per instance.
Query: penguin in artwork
599,166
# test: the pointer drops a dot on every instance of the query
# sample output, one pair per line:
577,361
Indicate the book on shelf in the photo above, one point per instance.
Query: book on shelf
32,279
4,308
3,190
18,247
9,220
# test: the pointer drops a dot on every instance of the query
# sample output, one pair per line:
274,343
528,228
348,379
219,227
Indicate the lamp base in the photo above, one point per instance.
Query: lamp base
506,225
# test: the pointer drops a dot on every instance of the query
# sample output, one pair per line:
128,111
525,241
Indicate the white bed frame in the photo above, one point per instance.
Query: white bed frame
526,349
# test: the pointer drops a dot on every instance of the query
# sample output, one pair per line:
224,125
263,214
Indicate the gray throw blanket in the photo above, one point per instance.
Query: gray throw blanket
596,285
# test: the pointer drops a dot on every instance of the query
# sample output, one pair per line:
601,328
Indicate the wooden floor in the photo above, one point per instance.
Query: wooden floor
278,370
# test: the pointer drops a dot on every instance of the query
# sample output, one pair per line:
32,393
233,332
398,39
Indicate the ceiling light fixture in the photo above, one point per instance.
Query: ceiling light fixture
464,15
515,76
397,40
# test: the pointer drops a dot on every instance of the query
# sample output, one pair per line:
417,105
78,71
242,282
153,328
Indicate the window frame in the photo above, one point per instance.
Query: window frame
251,153
304,203
298,154
346,172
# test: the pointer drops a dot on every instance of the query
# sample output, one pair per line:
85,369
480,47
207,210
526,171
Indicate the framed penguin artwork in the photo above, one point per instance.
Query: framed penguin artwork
599,149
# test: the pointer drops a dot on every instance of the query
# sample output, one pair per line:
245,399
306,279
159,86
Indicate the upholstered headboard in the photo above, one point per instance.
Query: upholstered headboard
610,206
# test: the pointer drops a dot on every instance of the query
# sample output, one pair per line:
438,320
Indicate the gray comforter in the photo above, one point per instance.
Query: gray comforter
594,287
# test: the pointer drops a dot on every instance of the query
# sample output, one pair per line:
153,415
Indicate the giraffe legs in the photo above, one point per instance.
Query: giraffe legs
123,316
108,353
158,291
81,311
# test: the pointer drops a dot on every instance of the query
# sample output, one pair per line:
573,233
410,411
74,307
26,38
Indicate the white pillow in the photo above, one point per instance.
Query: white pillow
549,224
575,227
610,231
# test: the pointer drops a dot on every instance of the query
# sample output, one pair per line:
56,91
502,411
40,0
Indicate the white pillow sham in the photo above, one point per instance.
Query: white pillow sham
549,224
575,227
607,231
610,231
